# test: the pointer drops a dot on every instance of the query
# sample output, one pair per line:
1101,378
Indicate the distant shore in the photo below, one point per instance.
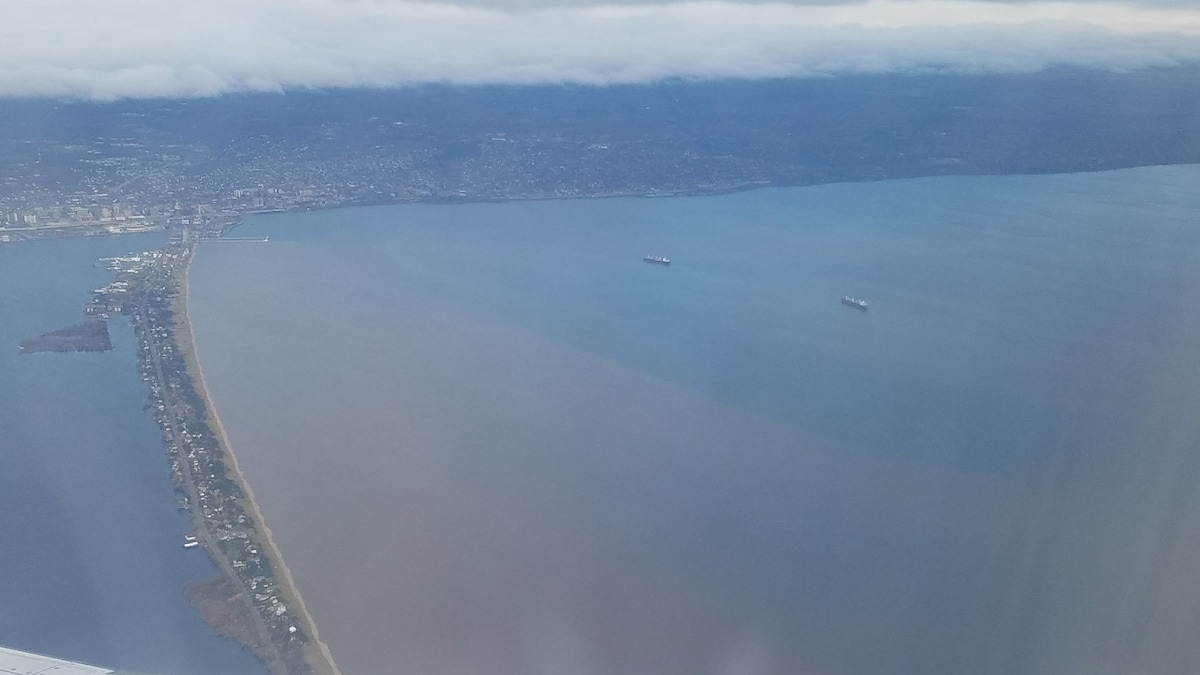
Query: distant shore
316,652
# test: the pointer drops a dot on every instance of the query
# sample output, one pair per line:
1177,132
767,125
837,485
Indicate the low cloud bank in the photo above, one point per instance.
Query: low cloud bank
150,48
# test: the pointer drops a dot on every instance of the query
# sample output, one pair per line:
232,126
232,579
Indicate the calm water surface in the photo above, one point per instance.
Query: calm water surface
491,440
91,567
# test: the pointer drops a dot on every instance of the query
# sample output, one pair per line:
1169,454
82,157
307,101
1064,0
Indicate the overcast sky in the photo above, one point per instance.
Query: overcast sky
138,48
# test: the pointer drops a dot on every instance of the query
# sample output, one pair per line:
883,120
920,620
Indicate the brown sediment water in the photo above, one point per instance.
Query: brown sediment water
316,653
588,465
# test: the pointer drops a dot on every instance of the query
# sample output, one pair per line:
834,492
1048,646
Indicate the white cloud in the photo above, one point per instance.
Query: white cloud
137,48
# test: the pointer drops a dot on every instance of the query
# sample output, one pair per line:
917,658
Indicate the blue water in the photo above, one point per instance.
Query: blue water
490,439
91,566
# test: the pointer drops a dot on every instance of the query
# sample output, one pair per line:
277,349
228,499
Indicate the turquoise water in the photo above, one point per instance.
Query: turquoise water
490,439
91,564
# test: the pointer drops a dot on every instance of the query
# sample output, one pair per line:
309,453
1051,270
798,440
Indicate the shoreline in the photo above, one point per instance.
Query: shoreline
324,665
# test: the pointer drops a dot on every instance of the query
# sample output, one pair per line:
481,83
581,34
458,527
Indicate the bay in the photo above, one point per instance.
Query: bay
91,564
490,439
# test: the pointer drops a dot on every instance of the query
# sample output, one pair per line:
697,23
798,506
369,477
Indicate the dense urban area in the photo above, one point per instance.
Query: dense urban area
71,168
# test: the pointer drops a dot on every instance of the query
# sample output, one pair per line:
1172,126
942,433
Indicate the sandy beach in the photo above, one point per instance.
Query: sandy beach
317,653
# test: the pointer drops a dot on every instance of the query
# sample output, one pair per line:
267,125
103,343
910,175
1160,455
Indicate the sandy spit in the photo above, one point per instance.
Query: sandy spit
320,658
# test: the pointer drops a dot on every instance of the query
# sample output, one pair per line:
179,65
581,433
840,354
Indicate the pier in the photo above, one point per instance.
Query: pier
236,240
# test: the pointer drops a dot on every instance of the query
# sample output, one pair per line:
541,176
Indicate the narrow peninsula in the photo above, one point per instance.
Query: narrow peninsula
253,600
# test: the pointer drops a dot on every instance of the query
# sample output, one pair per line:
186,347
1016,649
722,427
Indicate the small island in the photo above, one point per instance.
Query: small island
89,336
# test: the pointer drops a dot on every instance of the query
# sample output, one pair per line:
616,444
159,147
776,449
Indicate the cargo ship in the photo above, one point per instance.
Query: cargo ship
854,302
